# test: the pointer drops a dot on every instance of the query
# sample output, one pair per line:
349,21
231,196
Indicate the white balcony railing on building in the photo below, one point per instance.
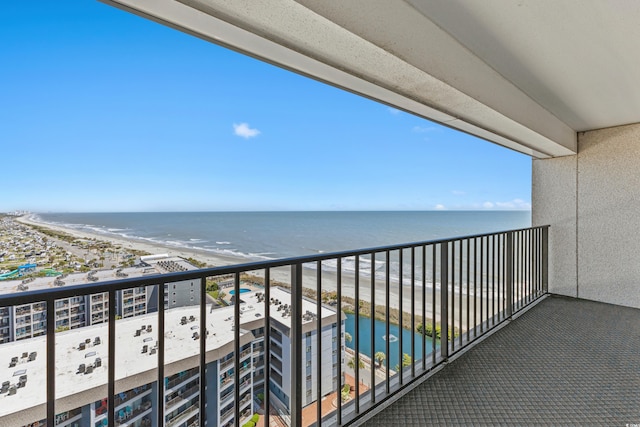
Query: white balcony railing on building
462,286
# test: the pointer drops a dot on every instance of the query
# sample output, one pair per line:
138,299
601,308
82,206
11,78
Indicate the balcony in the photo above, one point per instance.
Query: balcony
181,396
122,397
97,298
563,362
182,379
447,295
182,416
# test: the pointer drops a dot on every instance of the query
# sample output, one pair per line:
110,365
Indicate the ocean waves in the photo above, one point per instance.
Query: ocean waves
256,236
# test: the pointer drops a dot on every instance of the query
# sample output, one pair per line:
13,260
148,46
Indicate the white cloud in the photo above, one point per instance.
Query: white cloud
440,207
514,204
393,111
424,129
458,193
245,131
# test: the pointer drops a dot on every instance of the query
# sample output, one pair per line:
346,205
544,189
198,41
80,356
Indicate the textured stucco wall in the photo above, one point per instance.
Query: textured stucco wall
554,203
594,251
609,215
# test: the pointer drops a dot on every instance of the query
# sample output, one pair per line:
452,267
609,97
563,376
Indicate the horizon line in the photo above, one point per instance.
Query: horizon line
26,212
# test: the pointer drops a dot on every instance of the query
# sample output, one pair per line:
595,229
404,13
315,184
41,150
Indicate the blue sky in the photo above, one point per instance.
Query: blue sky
105,111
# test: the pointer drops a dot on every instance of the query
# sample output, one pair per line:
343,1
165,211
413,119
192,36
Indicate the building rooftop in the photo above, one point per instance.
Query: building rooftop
309,310
132,334
159,265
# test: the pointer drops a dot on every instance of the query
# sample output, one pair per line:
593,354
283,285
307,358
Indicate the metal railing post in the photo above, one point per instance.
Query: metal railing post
203,351
237,347
356,333
296,345
444,300
51,361
161,349
319,343
111,385
545,259
509,278
267,346
342,344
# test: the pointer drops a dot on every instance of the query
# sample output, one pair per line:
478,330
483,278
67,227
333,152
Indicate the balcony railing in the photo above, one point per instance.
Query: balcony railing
182,397
446,293
182,379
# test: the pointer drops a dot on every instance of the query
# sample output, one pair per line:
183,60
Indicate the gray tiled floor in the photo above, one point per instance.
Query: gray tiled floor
564,362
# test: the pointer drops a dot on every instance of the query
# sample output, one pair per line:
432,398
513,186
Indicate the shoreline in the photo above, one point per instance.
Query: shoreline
309,276
210,259
329,279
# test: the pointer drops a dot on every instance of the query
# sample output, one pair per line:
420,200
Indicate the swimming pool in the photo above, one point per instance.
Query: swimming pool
242,291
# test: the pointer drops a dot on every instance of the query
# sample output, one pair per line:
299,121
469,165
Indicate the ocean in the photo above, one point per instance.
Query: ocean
272,235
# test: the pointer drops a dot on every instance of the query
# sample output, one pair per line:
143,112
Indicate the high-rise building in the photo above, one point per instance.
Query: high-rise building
28,320
82,360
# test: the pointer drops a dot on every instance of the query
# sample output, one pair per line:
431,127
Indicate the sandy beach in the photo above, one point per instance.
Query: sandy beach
212,260
329,278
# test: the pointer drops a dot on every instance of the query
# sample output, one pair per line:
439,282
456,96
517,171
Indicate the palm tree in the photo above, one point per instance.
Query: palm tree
406,361
380,357
352,363
347,337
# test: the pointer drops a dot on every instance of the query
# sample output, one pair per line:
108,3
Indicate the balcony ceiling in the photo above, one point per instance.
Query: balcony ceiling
525,74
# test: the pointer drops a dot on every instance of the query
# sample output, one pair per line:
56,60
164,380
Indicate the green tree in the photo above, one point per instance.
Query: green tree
352,363
344,393
212,285
428,331
347,337
406,361
380,357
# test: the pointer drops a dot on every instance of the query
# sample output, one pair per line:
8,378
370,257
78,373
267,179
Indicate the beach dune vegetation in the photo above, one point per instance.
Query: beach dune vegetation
437,334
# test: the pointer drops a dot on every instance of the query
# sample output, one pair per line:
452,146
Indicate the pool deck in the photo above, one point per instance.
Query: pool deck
242,291
243,285
564,362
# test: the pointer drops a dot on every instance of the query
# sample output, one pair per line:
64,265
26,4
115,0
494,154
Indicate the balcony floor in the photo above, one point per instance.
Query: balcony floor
563,362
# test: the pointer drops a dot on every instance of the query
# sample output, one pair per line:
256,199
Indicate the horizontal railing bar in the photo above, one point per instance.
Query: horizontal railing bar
25,297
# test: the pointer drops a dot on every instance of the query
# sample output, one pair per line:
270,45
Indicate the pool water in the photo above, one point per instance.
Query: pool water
380,339
242,291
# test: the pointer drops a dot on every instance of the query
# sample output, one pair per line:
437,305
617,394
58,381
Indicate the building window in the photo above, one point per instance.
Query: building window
308,363
308,349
